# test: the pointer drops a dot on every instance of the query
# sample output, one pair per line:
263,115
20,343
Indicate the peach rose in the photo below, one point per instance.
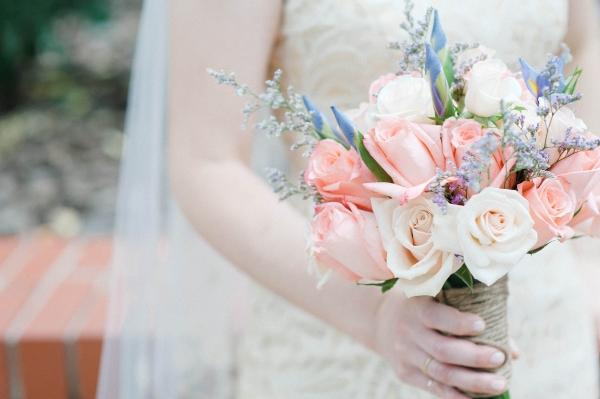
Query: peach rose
587,218
409,152
458,135
347,241
581,171
338,174
378,84
552,205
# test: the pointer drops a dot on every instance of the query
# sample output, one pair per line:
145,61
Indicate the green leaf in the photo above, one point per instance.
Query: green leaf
465,275
462,278
385,285
447,65
371,163
535,251
505,395
571,83
327,133
489,121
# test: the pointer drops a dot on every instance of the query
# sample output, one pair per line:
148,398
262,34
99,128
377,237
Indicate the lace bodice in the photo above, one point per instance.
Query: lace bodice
332,50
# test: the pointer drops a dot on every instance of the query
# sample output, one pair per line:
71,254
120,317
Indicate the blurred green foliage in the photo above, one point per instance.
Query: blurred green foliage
24,30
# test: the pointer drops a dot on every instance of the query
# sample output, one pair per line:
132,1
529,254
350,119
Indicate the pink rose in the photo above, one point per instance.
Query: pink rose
552,205
581,171
587,218
338,174
378,84
348,241
458,135
409,152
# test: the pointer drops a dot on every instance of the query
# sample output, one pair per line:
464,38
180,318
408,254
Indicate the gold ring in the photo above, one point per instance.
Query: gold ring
426,364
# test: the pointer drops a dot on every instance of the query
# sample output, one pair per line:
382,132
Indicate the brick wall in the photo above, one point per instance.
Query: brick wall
52,310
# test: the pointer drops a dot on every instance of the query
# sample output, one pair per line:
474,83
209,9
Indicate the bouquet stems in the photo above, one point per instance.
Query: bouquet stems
490,303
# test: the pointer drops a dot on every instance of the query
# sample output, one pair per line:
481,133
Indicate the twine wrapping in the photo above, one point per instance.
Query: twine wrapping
490,303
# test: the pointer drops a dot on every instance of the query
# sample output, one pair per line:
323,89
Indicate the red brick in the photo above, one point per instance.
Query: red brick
3,371
96,253
89,349
11,300
43,365
42,356
7,246
43,252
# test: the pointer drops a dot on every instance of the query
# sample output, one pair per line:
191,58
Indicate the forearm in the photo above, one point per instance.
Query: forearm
239,215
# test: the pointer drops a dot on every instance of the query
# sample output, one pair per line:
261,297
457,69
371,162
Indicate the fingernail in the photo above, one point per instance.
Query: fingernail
498,384
497,359
479,326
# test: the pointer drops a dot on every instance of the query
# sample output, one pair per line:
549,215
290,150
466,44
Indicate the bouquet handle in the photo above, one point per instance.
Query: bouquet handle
490,303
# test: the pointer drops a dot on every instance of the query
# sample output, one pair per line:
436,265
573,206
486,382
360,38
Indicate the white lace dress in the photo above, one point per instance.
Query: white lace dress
333,49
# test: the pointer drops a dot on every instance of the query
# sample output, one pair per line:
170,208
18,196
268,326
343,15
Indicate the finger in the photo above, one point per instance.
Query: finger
420,380
514,350
445,318
456,351
467,380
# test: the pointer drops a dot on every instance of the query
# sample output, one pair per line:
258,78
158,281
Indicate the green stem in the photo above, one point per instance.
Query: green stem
505,395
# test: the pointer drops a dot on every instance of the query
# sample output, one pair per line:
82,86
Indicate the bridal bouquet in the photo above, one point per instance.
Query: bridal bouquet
453,169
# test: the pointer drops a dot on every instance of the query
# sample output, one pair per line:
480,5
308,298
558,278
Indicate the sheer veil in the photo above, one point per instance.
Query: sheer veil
168,333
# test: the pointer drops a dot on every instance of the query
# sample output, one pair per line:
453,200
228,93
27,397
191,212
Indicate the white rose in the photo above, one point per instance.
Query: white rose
489,82
494,231
406,97
362,117
529,112
409,237
564,119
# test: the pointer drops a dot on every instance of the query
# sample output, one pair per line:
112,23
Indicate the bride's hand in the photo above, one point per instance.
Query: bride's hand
408,336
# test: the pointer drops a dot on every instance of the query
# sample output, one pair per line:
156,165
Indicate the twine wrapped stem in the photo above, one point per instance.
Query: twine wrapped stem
490,303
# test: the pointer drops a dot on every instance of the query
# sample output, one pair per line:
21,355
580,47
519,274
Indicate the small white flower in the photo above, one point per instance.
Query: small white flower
489,83
564,119
362,117
406,97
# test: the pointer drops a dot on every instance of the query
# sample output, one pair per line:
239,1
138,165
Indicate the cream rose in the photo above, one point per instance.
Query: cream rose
407,97
494,231
409,236
490,82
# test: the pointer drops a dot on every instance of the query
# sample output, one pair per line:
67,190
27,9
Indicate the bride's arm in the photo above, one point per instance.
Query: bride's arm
584,40
232,208
239,215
